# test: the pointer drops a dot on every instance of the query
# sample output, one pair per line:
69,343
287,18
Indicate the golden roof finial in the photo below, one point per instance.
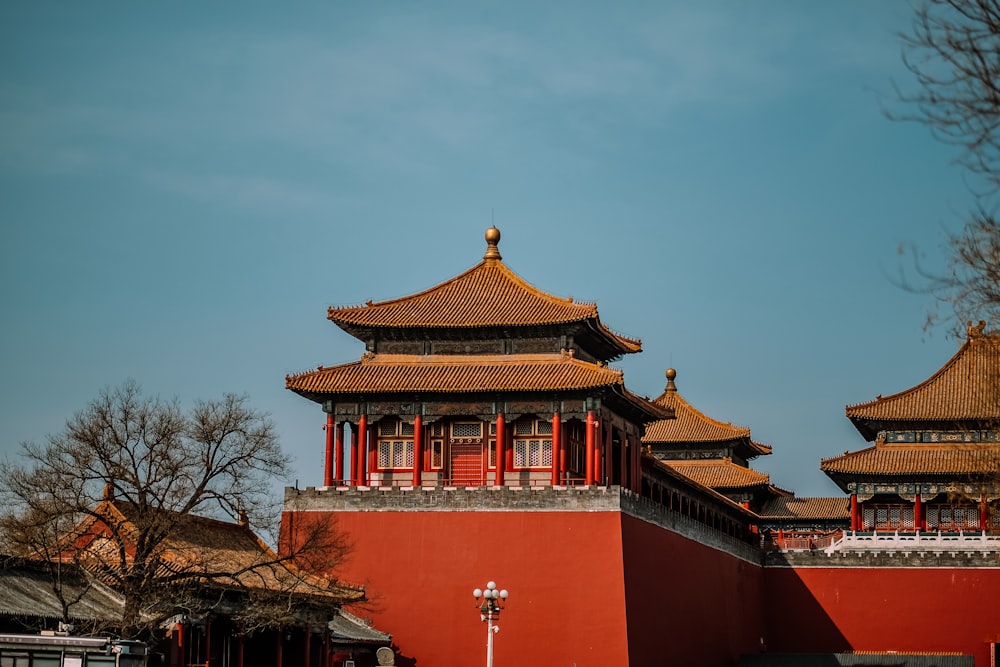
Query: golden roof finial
976,330
492,239
671,374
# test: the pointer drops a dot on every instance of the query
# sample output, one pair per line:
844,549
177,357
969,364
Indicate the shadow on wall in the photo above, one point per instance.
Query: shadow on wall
795,621
855,660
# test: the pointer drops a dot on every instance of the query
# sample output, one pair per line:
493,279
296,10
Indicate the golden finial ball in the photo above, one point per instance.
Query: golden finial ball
493,235
671,373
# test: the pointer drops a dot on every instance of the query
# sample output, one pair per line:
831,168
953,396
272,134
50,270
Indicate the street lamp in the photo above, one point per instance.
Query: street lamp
490,602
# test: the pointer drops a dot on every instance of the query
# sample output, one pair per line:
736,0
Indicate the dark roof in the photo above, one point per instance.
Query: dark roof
966,390
26,590
346,627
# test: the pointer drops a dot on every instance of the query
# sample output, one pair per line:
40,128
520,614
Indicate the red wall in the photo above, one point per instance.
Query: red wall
688,604
569,575
563,571
881,609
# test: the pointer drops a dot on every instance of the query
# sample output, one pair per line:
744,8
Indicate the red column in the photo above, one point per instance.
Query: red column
338,446
598,457
305,658
355,458
984,514
636,463
855,517
556,449
588,477
362,450
328,468
418,450
372,445
501,449
918,514
623,463
609,465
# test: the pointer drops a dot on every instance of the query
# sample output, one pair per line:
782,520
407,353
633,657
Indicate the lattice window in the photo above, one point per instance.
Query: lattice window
492,447
467,430
437,429
437,454
532,451
395,444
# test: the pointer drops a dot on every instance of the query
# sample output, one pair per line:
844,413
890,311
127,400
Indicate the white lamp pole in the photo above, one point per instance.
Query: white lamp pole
490,602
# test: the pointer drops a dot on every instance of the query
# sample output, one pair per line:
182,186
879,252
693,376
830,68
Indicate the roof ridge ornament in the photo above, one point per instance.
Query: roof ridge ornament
671,374
976,331
492,241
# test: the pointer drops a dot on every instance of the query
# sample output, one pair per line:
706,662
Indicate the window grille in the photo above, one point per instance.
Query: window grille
437,429
406,429
523,427
543,427
395,454
387,427
437,454
533,453
467,430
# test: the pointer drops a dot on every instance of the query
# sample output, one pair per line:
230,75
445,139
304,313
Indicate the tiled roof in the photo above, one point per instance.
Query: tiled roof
204,545
693,426
894,459
401,373
488,295
26,590
348,627
790,507
965,388
719,473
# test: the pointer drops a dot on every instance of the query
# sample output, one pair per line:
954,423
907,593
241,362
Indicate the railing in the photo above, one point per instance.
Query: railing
915,541
407,483
802,543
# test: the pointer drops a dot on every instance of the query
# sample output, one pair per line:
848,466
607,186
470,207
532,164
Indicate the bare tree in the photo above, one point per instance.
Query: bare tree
953,52
131,489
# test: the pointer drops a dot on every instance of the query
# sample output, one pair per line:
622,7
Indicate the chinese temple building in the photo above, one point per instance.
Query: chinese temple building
481,379
713,453
934,462
483,434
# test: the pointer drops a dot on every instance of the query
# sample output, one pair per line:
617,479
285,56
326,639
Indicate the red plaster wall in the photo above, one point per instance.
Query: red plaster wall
879,609
563,571
688,604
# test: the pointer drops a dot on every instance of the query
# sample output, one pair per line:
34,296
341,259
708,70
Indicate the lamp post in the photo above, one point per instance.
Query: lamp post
490,602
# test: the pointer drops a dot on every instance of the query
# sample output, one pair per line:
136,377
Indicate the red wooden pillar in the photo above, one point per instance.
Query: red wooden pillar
239,649
623,462
636,463
598,456
306,657
362,438
328,468
918,514
556,448
588,477
418,450
208,642
355,459
338,446
501,449
372,448
984,514
609,465
855,517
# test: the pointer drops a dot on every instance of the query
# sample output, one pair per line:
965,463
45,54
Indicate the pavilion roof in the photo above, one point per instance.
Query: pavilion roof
965,390
487,296
26,590
719,473
917,459
691,426
790,507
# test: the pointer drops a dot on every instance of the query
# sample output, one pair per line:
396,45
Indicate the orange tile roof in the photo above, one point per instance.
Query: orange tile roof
790,507
400,373
719,473
487,295
895,459
692,425
965,388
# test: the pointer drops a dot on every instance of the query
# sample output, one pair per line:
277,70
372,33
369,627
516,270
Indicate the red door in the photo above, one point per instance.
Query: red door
467,464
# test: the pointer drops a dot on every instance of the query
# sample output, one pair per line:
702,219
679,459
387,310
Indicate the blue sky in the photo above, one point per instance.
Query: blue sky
185,188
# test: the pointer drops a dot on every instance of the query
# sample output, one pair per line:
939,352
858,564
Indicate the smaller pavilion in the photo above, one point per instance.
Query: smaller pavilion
712,453
935,461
